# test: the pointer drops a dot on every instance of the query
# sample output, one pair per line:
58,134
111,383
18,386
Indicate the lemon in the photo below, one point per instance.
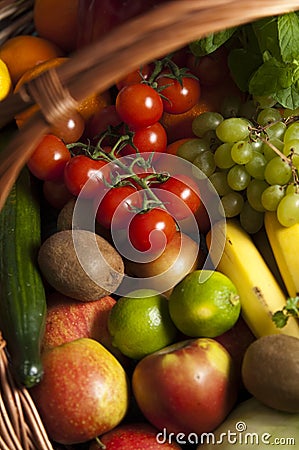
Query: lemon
140,324
5,80
204,304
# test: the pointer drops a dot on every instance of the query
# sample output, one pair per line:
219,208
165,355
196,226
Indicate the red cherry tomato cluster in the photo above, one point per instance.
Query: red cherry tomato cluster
112,165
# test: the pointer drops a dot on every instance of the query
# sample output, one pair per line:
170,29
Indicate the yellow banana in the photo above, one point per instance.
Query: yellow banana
234,254
285,246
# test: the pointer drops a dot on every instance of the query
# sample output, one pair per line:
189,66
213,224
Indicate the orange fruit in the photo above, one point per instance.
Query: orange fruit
87,107
57,20
21,53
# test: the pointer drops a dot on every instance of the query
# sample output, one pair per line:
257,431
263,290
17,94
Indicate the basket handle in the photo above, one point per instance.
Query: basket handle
140,40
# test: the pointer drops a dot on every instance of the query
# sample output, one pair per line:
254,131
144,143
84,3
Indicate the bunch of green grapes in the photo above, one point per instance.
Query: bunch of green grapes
252,163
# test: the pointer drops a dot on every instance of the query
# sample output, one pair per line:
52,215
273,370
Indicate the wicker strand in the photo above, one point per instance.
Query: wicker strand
20,424
53,98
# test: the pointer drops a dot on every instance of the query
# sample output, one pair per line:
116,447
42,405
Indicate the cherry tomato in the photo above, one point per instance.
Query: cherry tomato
70,129
150,139
151,230
81,169
120,199
135,76
56,193
179,96
180,195
49,159
139,105
100,121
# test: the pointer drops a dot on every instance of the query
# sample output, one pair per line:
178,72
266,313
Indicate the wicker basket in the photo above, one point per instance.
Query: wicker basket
97,67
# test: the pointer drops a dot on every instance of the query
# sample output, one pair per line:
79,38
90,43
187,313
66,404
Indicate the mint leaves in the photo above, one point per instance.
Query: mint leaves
263,58
211,42
291,309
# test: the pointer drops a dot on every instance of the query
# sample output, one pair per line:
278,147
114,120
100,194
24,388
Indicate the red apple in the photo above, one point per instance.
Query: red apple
131,437
188,387
69,319
83,393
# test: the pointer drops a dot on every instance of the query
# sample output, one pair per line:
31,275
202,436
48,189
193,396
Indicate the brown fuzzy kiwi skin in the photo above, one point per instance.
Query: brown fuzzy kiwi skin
65,216
102,270
270,371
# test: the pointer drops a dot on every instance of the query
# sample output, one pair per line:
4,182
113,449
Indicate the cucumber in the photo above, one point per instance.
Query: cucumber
22,293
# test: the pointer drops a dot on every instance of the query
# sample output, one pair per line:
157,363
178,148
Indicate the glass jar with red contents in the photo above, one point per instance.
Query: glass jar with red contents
98,17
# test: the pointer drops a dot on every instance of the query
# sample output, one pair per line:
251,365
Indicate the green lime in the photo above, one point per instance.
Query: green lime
204,304
140,323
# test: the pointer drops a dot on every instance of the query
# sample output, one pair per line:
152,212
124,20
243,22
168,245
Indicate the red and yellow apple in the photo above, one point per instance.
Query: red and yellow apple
68,319
84,391
188,387
132,436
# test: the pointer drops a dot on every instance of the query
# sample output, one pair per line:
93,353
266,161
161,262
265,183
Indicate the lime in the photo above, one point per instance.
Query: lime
140,323
204,304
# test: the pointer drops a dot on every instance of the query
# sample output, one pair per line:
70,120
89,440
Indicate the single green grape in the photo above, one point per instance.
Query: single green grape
291,150
241,152
292,132
254,193
251,220
288,210
257,145
206,121
292,188
268,115
190,149
233,129
232,203
223,157
271,196
256,166
205,162
238,178
276,130
219,181
287,112
267,149
264,101
277,171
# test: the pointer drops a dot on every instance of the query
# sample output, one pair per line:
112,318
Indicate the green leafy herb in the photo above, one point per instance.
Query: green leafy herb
263,58
211,42
291,309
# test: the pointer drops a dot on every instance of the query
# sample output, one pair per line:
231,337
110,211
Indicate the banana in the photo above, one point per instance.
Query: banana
233,253
284,242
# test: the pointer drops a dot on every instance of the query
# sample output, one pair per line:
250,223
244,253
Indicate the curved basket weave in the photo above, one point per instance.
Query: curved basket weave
58,91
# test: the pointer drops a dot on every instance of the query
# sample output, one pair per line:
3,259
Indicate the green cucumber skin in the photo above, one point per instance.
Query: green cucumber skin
22,294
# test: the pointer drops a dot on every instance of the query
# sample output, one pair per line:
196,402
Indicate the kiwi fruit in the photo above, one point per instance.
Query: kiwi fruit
65,216
270,371
80,264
